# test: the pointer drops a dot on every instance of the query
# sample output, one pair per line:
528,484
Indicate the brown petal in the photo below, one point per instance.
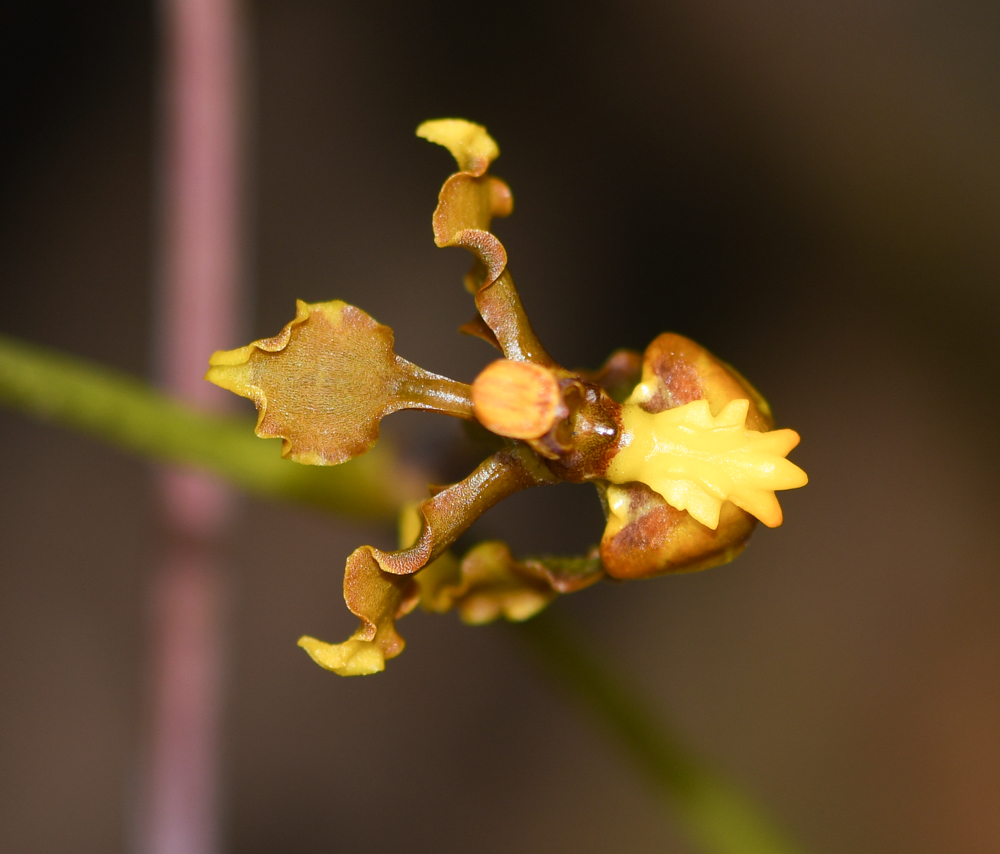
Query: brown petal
489,583
648,537
467,204
327,379
677,370
470,198
379,586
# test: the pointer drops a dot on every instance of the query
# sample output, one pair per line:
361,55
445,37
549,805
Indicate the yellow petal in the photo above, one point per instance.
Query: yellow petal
471,146
350,658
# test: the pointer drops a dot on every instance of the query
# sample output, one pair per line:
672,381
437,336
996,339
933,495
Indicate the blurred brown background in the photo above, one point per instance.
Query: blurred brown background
812,191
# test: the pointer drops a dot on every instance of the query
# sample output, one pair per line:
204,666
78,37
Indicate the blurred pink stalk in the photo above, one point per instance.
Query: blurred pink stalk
200,250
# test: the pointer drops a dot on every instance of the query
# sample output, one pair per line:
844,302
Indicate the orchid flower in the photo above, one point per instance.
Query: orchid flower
681,448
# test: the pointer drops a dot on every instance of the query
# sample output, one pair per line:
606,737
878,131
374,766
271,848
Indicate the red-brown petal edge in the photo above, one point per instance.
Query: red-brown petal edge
325,381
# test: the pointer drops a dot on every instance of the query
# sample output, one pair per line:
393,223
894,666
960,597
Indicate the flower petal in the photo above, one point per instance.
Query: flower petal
379,598
326,380
677,370
489,583
471,146
645,536
467,204
379,586
470,198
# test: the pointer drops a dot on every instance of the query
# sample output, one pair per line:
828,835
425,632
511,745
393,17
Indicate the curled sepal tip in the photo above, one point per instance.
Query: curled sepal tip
470,198
351,658
379,598
325,381
471,146
467,204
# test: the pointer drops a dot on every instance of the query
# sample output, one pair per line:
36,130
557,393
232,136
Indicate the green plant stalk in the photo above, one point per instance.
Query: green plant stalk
133,416
716,817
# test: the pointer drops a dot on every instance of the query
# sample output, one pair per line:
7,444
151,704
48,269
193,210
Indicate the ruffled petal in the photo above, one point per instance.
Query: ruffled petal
467,204
489,583
379,586
326,380
470,198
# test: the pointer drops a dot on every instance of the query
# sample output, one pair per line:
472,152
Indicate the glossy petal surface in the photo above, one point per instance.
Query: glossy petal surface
697,460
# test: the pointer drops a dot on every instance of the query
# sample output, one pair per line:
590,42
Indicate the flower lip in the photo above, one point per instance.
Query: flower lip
696,461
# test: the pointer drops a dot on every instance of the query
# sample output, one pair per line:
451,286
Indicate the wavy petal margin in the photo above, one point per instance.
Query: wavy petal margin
470,198
489,583
325,381
379,586
467,204
321,384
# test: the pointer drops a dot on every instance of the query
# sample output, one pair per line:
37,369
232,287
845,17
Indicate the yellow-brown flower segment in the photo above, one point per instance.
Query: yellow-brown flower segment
680,447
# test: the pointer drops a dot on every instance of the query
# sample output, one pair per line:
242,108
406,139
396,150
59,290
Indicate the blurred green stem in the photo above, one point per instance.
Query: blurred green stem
716,817
130,415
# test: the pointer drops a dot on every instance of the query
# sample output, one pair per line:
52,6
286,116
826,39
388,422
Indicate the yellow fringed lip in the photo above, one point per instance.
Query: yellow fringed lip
696,460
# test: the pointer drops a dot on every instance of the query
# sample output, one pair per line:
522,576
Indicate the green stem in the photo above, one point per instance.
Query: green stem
131,415
715,816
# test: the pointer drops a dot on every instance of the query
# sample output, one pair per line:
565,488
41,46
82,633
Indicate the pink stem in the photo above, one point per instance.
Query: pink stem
199,295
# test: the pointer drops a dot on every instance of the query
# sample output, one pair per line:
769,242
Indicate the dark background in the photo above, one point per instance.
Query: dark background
810,190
